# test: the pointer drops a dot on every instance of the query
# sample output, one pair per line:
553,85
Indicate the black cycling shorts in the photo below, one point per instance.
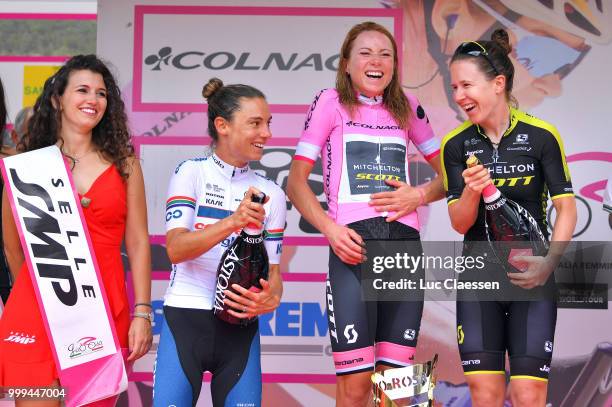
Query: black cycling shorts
526,329
364,333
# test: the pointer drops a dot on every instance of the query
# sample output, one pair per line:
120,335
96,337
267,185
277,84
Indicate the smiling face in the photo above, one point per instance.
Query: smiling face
83,102
243,138
476,95
370,64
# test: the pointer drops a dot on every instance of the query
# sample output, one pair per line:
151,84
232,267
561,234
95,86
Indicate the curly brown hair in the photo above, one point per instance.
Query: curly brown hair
111,136
394,98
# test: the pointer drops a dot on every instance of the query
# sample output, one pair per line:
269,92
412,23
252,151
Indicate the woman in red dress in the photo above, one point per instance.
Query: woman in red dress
81,111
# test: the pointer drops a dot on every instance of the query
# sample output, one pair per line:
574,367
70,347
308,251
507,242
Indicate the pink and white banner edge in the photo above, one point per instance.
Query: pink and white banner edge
92,380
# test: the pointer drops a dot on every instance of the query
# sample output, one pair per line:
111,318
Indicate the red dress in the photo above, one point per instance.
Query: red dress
32,364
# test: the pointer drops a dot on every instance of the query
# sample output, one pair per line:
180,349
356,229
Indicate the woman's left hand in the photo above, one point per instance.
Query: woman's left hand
402,201
140,338
249,304
538,270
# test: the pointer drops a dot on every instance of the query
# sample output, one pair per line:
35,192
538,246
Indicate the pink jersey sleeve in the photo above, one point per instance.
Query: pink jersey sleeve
421,132
318,126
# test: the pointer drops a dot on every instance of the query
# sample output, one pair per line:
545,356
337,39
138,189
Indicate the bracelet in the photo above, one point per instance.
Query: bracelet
147,304
146,315
422,194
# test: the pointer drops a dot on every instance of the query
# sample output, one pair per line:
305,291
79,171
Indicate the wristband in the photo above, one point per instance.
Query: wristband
422,195
146,304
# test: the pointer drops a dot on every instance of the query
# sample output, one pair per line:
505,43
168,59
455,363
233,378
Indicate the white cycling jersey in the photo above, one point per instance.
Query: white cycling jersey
201,192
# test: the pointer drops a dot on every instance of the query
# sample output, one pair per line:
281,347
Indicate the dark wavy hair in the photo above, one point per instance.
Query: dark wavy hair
224,101
394,98
2,110
111,136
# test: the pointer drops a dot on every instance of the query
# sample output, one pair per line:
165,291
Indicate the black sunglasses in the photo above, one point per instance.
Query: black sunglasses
475,49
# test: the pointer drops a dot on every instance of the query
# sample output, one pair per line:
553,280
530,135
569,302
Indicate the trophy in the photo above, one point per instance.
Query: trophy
593,386
410,386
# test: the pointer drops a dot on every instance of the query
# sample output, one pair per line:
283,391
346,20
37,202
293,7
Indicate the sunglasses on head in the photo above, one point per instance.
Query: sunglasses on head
475,49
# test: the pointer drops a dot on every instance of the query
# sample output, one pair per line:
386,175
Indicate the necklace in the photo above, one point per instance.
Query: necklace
74,159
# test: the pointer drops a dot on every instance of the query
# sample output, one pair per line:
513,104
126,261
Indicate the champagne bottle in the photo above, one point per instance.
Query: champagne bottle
244,262
510,228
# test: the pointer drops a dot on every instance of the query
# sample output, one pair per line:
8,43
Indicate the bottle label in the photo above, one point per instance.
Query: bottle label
224,275
253,239
496,205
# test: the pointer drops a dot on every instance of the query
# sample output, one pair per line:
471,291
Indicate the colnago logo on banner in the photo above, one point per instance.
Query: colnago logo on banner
59,256
292,53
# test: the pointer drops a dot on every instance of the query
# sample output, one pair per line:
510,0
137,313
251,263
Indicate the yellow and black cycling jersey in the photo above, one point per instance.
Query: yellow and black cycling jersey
527,165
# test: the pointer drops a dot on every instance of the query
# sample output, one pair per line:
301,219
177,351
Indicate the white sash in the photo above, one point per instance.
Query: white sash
65,275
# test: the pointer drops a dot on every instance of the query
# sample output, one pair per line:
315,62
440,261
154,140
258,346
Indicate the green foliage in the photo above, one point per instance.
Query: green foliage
47,37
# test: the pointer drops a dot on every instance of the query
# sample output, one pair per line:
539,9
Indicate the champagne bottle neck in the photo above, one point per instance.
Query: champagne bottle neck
252,230
490,193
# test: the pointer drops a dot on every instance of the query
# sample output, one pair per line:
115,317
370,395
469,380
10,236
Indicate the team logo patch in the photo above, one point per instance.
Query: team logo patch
521,139
409,334
350,333
214,187
548,346
460,334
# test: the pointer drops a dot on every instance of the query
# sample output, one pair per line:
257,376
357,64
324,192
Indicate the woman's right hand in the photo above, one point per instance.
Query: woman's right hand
476,178
346,243
249,212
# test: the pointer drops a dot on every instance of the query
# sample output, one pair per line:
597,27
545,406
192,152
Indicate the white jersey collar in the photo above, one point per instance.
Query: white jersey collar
228,170
376,100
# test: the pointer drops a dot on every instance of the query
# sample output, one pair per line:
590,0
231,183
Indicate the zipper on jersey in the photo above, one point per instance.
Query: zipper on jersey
381,182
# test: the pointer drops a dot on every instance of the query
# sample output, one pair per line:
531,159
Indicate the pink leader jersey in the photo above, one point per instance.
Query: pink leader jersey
360,152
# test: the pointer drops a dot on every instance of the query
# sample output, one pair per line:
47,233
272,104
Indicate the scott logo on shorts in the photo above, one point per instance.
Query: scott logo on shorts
330,312
409,334
350,333
18,337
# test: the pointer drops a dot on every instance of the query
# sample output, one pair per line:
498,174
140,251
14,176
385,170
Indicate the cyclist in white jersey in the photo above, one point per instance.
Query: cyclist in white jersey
209,202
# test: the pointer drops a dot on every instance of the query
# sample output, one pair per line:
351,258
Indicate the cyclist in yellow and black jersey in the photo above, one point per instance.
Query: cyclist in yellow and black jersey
526,165
523,156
